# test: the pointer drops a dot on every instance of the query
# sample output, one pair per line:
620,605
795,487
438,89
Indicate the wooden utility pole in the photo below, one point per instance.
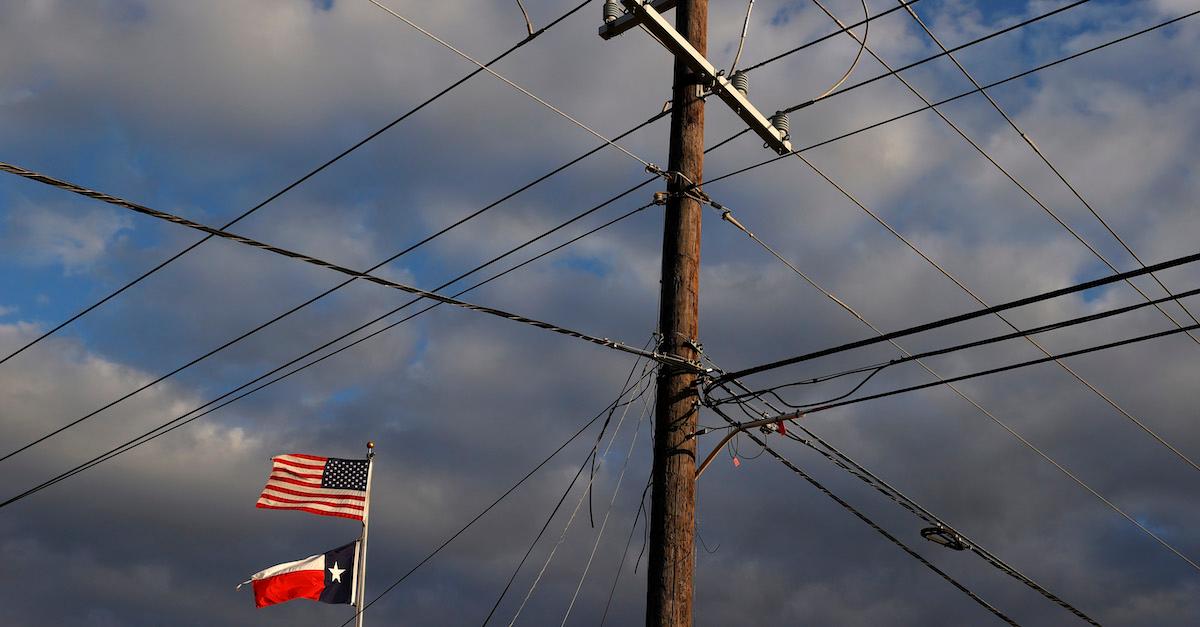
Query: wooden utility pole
673,505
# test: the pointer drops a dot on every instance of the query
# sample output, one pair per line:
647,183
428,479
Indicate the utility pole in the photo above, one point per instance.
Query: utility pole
669,580
673,501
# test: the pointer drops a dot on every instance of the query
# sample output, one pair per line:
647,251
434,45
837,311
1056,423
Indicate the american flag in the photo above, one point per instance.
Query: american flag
325,486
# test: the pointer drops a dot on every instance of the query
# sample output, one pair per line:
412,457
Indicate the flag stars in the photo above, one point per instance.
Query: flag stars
335,573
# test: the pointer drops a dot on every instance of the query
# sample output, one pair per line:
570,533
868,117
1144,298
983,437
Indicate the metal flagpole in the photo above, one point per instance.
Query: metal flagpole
361,592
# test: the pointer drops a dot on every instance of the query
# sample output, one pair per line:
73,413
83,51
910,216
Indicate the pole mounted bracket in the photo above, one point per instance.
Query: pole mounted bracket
648,14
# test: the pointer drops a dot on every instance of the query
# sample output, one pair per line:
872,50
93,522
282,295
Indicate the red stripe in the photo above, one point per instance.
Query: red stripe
300,493
301,584
307,484
285,462
310,501
315,458
296,473
311,511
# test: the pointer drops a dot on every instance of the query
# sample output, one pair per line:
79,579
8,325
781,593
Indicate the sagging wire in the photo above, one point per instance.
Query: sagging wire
742,40
862,47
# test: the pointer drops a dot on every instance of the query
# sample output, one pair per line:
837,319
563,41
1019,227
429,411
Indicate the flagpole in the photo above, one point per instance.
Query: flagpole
361,592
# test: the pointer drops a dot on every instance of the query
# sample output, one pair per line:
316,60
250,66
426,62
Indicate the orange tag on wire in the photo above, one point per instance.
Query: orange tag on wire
736,462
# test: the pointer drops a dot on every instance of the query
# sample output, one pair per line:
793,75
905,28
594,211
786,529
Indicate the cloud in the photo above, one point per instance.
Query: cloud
206,109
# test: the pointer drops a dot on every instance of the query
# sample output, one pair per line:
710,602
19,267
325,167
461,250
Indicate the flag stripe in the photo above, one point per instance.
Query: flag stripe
280,470
290,490
294,464
282,498
312,562
311,510
349,509
312,488
300,458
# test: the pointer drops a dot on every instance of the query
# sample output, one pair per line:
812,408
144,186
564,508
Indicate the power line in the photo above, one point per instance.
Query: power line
1053,326
979,313
939,103
403,252
546,525
872,524
335,288
909,66
485,68
358,274
1023,364
485,510
986,555
868,20
1024,189
845,462
295,183
607,513
571,520
1041,155
183,419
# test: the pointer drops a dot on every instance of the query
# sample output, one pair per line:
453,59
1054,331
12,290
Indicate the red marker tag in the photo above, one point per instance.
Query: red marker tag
781,428
736,462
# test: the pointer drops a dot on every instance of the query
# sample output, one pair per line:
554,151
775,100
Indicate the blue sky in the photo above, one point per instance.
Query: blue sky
207,109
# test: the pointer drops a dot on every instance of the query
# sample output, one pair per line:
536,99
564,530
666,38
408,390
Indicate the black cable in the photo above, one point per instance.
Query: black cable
843,461
987,311
180,421
1023,364
876,368
295,183
872,524
964,94
628,542
835,33
939,55
480,514
591,456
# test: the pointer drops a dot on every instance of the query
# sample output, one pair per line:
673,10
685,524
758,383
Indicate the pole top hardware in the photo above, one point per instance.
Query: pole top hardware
649,15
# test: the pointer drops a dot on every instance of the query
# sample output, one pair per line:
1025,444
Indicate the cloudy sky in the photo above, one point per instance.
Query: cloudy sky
205,109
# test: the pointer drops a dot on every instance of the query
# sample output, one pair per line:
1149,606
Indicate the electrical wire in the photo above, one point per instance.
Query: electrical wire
358,274
1053,326
742,39
1032,362
896,118
625,553
335,288
824,38
484,512
726,378
183,419
843,461
861,48
571,520
873,525
937,324
600,534
1024,189
909,66
1041,155
482,66
590,457
295,183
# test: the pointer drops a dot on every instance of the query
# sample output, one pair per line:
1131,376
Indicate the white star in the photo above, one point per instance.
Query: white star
336,572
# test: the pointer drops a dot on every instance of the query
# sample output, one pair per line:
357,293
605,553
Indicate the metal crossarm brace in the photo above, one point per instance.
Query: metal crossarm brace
648,15
630,20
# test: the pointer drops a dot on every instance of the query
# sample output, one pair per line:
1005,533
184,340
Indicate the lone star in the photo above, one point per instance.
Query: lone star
336,573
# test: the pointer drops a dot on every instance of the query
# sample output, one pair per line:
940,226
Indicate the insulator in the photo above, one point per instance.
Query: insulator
780,122
612,10
741,82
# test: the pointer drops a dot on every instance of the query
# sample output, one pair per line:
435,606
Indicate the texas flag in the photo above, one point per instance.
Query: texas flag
328,578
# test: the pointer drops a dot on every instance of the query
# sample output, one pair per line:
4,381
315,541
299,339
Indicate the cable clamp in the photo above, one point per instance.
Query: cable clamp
944,536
